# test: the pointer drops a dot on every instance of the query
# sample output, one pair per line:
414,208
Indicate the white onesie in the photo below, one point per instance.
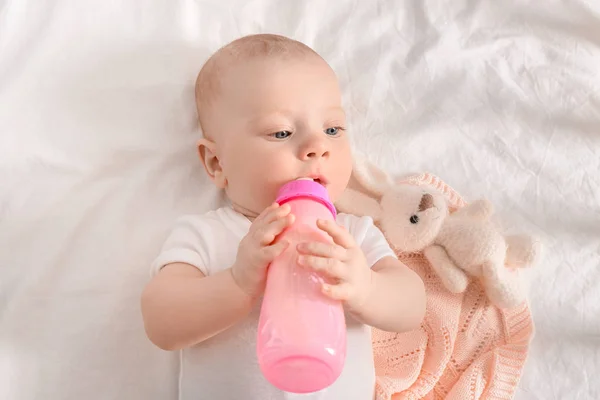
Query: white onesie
225,366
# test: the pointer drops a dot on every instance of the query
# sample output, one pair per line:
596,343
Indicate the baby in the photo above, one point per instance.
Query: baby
271,111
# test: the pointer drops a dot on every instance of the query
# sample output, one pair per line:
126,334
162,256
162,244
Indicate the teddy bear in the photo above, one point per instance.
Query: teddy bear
461,245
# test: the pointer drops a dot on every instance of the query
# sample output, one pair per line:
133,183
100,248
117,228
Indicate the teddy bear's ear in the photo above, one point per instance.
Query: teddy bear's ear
368,178
354,202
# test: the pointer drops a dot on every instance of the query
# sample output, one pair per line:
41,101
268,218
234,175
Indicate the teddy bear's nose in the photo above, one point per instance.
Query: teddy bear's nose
426,202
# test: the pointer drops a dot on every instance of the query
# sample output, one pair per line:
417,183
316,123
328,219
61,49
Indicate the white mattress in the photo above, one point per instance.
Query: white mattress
97,128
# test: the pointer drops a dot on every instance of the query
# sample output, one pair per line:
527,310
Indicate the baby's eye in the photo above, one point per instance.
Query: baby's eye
333,131
282,134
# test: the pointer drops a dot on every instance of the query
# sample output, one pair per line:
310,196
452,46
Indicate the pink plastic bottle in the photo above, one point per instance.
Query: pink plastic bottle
301,344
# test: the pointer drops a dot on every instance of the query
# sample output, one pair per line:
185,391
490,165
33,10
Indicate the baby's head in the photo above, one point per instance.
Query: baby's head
271,111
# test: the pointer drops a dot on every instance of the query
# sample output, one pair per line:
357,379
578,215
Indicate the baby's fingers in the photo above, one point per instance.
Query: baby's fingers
341,291
267,211
269,253
328,267
276,213
267,233
338,233
321,249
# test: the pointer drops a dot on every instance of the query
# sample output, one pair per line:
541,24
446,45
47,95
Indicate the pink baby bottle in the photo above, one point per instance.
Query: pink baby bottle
301,344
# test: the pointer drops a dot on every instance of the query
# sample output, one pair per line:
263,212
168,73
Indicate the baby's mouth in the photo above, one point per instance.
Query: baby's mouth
318,180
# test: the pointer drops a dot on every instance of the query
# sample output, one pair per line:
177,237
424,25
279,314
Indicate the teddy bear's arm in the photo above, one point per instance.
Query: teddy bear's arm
503,286
522,250
452,277
480,209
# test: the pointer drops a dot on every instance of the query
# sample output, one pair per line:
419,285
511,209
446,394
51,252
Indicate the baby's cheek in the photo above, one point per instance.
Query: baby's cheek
266,178
278,169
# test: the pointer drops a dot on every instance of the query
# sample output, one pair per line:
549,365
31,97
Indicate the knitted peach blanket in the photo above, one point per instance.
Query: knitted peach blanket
465,348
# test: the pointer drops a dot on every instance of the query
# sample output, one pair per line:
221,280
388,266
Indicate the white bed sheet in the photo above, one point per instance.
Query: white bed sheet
97,128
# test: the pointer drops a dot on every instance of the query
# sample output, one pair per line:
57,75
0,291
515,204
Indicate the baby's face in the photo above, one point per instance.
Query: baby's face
276,121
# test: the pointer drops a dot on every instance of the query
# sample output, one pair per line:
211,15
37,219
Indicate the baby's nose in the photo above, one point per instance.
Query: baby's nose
316,149
317,154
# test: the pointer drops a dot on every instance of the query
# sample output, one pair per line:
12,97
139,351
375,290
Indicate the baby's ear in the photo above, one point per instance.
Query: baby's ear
207,151
356,203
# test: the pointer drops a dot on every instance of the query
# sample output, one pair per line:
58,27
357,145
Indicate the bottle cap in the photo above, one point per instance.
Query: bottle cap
305,188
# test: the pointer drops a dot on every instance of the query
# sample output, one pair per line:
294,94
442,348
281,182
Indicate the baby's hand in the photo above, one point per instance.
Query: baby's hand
343,262
256,250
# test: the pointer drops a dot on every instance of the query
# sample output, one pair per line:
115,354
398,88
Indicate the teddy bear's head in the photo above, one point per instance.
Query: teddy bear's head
412,216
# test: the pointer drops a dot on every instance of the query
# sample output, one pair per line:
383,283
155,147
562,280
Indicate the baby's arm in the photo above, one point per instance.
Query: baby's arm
396,302
388,296
181,307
